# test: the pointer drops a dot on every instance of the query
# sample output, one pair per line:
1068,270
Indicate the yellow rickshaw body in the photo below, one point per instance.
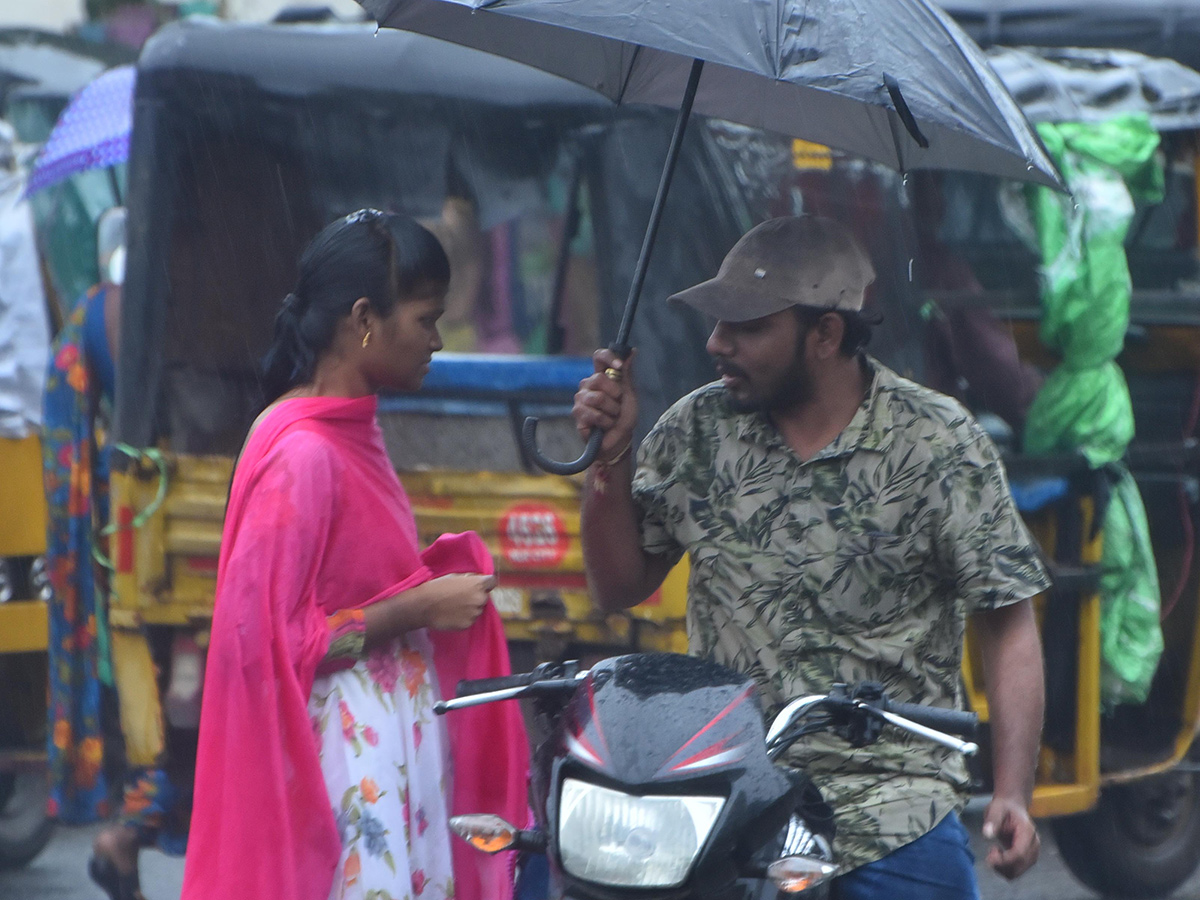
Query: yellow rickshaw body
166,568
23,623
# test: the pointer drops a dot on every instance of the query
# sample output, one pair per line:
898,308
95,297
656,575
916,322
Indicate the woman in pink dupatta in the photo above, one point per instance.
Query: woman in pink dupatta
321,770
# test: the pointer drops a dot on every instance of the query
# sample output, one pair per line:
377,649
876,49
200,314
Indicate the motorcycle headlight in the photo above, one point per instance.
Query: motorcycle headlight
612,838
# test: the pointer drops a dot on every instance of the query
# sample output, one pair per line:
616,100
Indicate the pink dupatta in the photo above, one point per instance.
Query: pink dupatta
317,522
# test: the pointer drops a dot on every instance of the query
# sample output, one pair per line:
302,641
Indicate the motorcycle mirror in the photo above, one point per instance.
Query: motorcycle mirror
794,874
488,833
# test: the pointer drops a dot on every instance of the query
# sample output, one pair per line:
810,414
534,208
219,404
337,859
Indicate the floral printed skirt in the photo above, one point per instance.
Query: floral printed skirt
384,759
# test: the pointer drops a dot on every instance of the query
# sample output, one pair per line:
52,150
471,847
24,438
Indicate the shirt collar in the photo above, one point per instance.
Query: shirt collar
870,429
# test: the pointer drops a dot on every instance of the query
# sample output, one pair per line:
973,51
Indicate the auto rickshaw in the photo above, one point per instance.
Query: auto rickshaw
247,139
24,627
25,827
1117,772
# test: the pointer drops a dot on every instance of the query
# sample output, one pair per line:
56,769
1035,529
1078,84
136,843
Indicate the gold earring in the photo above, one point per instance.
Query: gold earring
366,339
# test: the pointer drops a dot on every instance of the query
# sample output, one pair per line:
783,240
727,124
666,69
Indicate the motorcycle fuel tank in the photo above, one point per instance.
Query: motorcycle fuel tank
658,717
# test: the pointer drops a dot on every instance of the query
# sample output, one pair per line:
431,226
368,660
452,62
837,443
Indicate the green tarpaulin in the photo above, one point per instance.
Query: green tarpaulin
1084,404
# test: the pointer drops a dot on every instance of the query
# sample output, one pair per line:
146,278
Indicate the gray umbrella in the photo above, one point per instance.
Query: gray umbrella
892,80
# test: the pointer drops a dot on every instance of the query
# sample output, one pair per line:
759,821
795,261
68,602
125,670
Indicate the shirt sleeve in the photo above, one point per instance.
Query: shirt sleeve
655,483
989,553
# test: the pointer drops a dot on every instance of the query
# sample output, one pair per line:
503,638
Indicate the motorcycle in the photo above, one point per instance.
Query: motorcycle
653,775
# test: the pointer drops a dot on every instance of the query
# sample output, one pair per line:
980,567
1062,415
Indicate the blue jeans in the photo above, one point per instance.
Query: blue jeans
936,866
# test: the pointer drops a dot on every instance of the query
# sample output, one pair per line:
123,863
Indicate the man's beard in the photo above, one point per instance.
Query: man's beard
793,388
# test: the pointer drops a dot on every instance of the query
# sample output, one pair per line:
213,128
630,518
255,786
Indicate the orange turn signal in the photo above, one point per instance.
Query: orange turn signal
794,874
488,833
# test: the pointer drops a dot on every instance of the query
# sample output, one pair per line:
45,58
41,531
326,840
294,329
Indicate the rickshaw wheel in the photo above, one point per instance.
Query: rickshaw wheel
1141,840
25,825
25,829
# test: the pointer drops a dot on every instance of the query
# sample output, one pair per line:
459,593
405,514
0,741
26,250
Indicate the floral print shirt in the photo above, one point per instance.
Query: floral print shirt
859,564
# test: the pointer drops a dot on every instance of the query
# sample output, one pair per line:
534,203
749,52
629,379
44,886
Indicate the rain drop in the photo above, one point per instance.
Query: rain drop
904,180
376,32
910,264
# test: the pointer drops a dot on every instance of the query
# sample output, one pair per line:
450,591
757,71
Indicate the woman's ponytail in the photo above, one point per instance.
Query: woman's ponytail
290,360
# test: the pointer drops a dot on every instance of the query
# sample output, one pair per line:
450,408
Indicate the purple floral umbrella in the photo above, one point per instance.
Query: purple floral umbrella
92,132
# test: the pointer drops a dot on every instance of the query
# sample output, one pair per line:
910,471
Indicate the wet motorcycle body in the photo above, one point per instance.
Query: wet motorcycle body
654,778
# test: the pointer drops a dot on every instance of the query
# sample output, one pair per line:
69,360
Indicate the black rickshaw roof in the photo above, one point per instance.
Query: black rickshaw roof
1166,28
353,58
272,130
42,64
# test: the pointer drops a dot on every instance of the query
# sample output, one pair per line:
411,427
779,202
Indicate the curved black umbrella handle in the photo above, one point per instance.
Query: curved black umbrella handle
590,452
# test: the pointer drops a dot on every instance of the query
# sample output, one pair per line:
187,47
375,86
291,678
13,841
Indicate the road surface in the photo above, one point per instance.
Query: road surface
59,873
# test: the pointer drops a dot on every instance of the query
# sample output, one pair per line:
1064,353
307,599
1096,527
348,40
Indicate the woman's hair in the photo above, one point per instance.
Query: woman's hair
381,256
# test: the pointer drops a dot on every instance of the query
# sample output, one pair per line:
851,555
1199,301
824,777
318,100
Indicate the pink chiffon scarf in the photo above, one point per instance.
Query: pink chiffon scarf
318,522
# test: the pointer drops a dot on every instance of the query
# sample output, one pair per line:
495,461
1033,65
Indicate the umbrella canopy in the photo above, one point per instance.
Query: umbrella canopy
92,132
894,81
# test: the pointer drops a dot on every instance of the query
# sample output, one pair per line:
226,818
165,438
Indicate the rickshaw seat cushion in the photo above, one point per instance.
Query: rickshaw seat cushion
502,376
1036,494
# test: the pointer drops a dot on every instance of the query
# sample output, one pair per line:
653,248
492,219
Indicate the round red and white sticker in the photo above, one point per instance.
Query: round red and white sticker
532,535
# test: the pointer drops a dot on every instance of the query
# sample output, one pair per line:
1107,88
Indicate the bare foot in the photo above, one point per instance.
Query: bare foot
118,843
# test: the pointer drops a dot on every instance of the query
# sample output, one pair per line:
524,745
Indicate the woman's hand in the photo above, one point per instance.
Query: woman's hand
456,601
449,603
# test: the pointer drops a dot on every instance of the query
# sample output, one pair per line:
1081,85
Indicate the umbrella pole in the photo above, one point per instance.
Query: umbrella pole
620,346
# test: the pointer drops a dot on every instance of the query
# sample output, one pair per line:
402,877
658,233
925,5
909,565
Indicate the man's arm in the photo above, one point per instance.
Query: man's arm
620,573
1012,666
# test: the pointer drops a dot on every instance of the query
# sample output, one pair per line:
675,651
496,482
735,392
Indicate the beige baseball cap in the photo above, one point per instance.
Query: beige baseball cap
790,261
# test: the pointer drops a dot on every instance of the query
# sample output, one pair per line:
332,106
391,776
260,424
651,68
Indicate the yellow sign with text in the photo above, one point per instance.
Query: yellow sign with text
807,155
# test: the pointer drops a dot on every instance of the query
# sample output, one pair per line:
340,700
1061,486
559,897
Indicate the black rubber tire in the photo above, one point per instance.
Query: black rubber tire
1141,841
25,826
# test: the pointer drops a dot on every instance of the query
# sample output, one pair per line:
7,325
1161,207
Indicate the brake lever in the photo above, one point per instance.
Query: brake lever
444,706
545,686
966,748
792,711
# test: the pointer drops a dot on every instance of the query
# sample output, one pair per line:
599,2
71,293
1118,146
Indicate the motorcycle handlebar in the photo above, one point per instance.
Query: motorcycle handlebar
548,678
936,724
488,685
544,674
948,721
951,721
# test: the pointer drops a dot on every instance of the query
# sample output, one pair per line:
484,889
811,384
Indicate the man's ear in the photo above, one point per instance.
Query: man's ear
827,334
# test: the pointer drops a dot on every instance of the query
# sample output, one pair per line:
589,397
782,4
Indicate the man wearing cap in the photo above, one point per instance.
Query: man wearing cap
841,523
